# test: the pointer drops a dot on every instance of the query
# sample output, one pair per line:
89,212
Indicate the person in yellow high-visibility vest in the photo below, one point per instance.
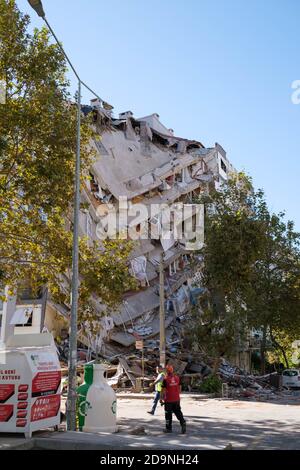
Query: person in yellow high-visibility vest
158,387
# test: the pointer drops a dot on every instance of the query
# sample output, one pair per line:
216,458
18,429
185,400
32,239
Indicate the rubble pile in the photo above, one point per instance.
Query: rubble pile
130,372
126,373
134,372
242,384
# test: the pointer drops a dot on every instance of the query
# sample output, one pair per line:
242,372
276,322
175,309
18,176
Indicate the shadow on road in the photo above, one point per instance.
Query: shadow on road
217,433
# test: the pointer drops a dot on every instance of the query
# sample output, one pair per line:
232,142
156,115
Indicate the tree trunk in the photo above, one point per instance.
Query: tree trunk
263,351
278,346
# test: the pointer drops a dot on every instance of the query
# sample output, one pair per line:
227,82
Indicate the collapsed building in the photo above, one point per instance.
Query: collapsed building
142,161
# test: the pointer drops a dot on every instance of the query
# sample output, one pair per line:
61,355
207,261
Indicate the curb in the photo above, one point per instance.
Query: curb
25,445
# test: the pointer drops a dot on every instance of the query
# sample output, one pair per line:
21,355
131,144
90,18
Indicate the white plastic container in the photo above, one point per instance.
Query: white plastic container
30,375
30,380
101,404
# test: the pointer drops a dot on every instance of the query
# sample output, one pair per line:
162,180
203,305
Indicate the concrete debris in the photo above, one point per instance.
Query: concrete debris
125,366
138,431
228,447
245,385
130,371
179,366
127,370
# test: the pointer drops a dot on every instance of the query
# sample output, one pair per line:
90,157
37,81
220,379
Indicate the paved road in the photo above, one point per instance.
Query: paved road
211,424
214,423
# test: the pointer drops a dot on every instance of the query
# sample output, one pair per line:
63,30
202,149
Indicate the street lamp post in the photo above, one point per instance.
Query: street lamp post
71,403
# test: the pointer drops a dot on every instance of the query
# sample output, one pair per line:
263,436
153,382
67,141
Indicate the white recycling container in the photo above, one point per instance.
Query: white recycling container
30,379
97,402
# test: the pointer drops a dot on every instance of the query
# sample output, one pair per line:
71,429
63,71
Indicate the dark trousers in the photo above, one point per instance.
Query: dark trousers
171,408
155,401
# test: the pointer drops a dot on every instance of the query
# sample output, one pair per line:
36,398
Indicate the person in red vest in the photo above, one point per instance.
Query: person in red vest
170,397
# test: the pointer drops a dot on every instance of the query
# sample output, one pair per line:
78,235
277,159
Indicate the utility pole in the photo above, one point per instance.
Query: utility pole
162,336
72,397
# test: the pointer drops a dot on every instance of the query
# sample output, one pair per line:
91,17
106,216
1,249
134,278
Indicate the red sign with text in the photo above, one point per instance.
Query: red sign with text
45,407
6,412
46,383
6,392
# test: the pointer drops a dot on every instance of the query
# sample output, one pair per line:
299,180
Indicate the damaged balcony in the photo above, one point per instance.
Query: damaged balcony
143,270
146,330
173,282
169,256
135,305
127,169
141,247
171,195
147,325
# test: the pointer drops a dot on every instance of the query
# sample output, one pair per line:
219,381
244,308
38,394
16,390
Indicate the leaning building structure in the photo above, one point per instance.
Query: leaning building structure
141,161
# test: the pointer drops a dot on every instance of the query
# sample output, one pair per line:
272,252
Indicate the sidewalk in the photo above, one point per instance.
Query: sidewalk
15,442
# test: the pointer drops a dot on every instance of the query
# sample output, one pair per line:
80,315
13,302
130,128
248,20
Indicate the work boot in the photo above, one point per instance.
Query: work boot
150,412
167,431
183,428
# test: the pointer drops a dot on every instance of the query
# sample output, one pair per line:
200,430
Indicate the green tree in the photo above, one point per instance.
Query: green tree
37,161
284,351
273,296
233,237
251,272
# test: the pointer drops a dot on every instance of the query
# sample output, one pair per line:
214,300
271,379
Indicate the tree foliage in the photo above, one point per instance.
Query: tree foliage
37,164
273,296
251,273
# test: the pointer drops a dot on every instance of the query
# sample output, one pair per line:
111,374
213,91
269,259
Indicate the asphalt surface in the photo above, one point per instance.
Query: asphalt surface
211,424
215,423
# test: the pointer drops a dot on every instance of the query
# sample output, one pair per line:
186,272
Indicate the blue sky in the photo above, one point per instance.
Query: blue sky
214,70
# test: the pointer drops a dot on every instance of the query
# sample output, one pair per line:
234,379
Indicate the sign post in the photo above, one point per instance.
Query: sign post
143,369
139,344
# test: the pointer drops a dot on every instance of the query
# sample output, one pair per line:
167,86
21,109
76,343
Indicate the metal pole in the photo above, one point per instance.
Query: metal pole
71,410
162,345
72,386
69,61
71,402
38,7
143,368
